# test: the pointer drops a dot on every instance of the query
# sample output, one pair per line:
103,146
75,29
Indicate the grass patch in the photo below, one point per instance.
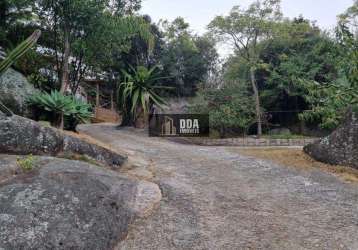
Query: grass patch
26,163
298,159
77,157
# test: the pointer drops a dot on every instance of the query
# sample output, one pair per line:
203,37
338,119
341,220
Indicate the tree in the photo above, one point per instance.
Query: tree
186,58
330,101
12,12
347,34
140,53
102,51
124,7
84,32
246,28
302,53
68,22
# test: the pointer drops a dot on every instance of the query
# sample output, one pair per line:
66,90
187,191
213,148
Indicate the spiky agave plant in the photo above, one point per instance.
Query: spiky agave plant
80,111
14,55
54,102
61,105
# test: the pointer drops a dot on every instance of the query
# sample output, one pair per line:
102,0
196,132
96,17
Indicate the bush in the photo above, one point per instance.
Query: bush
329,103
229,108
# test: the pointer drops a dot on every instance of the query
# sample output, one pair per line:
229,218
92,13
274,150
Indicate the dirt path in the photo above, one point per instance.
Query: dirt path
214,198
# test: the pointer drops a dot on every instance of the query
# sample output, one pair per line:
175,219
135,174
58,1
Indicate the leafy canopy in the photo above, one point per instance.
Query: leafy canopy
246,28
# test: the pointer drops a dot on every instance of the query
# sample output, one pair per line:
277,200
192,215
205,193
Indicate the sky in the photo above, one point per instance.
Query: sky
199,13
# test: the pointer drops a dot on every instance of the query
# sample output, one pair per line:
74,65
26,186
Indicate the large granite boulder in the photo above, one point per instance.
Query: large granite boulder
19,135
340,147
63,204
14,90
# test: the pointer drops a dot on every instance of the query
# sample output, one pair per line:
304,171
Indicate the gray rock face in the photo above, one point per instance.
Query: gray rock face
14,89
63,204
341,147
19,135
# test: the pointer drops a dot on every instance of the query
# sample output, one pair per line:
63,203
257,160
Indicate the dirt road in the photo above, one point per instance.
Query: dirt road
214,198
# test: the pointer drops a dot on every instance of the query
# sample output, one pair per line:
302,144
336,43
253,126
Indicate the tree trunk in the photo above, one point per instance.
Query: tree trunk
62,122
58,121
65,62
127,119
141,118
257,101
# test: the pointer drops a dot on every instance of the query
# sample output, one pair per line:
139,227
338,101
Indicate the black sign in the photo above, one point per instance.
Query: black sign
179,125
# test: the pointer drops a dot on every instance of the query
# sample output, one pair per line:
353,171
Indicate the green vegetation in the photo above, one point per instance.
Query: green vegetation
330,101
187,59
62,106
246,28
13,56
306,78
282,73
138,91
230,109
19,51
27,163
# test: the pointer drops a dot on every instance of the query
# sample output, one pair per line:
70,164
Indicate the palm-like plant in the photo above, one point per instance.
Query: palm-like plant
62,106
139,90
15,54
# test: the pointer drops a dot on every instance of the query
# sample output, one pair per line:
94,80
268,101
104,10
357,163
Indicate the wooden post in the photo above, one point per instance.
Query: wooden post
97,96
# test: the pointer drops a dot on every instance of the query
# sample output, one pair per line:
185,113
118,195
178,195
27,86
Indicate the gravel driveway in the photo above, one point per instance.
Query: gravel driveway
214,198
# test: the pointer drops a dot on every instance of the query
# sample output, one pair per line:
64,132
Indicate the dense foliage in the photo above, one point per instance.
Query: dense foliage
188,59
231,109
303,74
329,101
246,28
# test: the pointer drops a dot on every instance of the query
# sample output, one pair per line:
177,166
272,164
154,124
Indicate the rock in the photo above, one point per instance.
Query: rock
14,89
63,204
280,131
77,146
340,147
23,136
146,199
